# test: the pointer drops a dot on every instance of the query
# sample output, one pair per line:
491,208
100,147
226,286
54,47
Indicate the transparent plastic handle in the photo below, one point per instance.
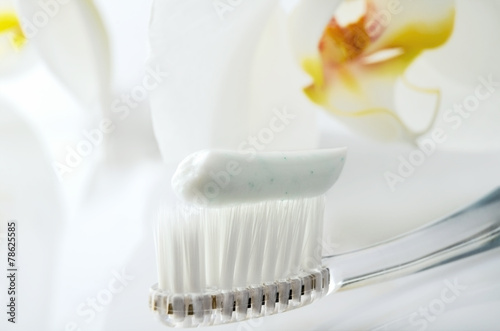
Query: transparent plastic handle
469,231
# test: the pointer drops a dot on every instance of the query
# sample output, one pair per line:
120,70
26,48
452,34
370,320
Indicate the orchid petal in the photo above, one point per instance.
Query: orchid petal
220,44
72,41
472,42
30,195
270,93
467,66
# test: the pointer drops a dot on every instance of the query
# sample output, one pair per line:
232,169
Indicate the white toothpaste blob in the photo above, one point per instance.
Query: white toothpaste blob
216,177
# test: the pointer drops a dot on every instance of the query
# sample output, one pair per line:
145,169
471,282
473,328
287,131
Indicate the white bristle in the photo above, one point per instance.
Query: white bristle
238,246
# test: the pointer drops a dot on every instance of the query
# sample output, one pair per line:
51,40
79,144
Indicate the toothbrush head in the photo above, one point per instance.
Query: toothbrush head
220,306
248,243
221,265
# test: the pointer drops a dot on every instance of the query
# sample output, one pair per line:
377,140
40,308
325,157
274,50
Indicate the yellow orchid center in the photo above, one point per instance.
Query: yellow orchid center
341,44
10,25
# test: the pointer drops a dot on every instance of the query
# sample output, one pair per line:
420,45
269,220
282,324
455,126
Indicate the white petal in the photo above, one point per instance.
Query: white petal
71,39
277,82
472,42
459,68
209,54
127,28
29,193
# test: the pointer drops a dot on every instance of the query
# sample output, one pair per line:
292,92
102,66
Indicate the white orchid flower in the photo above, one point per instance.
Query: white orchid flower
359,61
364,65
54,77
372,64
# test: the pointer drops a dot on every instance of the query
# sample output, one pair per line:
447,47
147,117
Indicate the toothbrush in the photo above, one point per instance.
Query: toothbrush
247,243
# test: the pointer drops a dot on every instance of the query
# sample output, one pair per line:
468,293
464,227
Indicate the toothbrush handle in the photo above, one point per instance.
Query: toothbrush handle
469,231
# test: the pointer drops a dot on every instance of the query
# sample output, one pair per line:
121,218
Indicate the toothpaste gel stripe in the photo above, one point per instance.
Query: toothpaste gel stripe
216,178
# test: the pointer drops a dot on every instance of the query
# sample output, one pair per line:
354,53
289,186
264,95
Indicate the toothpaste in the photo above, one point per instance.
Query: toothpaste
217,178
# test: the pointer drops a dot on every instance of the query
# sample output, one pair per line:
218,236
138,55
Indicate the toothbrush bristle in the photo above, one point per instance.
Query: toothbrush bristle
218,265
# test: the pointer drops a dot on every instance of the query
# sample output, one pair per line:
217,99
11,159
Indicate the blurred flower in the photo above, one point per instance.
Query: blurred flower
54,73
54,68
360,60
